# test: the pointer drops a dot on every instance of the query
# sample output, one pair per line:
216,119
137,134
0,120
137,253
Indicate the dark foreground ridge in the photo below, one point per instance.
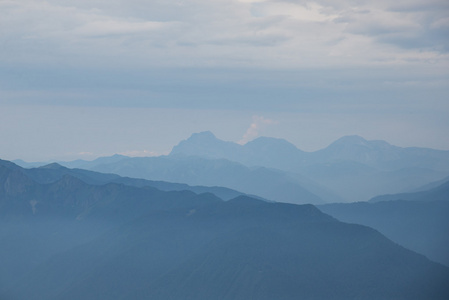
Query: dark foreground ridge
72,240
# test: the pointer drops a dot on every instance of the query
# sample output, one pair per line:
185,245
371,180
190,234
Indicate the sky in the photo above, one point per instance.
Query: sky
83,79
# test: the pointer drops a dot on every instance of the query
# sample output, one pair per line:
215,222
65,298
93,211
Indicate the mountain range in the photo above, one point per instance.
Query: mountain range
280,154
270,184
438,193
69,239
54,171
350,169
417,221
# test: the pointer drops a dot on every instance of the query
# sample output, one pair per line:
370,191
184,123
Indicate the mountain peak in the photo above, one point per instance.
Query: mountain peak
351,139
8,164
204,144
271,142
357,149
53,166
202,135
358,141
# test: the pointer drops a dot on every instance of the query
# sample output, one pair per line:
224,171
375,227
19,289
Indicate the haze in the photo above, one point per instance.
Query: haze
82,79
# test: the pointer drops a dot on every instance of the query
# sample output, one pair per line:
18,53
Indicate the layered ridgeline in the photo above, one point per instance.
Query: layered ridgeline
53,172
417,221
270,184
67,239
221,175
350,169
280,154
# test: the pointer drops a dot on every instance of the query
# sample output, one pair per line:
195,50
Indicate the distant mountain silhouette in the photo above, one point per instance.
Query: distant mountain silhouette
439,193
263,151
84,164
270,184
382,155
54,172
351,167
355,148
430,185
280,154
355,181
418,221
205,144
25,164
72,240
79,163
221,175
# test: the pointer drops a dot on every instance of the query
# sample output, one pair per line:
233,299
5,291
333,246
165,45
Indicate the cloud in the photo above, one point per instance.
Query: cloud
221,33
258,124
221,53
401,26
307,12
115,27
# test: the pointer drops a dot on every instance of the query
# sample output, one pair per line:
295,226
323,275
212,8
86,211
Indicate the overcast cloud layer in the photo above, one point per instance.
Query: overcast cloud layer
224,33
330,58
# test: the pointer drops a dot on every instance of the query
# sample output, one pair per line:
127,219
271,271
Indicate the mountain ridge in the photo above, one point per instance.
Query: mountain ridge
115,241
407,167
415,220
349,169
54,171
439,193
379,149
267,183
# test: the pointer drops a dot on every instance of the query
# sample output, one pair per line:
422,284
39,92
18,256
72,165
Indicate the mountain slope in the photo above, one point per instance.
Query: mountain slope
439,193
280,154
115,241
267,183
240,249
205,144
351,167
262,151
354,181
430,185
39,220
418,225
54,172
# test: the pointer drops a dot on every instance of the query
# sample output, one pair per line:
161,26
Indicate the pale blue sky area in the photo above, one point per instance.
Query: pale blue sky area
81,79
